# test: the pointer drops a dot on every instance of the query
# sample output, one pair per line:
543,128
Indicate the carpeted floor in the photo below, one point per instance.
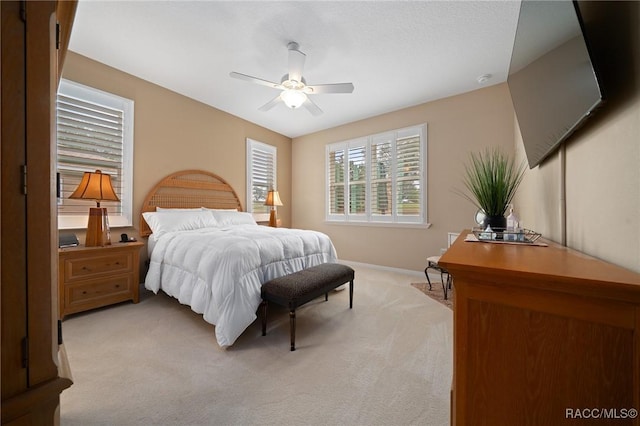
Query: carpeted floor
436,292
387,361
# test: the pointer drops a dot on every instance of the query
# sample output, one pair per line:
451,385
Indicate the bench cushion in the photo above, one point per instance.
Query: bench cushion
296,289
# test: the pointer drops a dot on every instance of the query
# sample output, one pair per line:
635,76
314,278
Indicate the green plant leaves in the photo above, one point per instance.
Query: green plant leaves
492,178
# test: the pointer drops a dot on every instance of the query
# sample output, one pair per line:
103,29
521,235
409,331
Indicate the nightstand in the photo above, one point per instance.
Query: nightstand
92,277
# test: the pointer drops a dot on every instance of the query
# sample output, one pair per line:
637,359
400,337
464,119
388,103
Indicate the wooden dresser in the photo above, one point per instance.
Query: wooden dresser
92,277
542,335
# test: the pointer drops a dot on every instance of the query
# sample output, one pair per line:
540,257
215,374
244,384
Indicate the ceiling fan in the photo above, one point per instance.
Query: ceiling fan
294,89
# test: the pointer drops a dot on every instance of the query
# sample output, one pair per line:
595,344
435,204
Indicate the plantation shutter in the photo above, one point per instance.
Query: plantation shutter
408,175
262,167
357,157
90,138
381,163
94,132
335,173
378,179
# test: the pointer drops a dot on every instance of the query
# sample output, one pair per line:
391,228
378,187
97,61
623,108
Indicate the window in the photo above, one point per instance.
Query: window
379,178
94,132
261,177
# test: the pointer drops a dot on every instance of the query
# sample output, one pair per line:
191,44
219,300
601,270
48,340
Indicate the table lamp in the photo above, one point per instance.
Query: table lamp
273,200
96,186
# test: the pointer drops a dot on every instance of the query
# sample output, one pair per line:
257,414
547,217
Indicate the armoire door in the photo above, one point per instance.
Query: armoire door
31,383
13,216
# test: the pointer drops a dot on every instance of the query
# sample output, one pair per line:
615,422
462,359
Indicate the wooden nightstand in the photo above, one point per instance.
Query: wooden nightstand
91,277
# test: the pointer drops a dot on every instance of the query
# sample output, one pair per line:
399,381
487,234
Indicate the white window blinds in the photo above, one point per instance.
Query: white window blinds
261,175
381,164
335,173
408,174
94,132
357,179
383,178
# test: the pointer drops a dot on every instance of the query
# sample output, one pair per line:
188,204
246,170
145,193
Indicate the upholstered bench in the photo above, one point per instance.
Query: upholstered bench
296,289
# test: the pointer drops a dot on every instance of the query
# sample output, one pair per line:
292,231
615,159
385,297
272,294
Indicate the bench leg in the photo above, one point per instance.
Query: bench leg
326,296
351,294
263,310
292,321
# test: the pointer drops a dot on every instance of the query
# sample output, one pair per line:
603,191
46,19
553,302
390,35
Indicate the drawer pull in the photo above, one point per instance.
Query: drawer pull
84,292
117,285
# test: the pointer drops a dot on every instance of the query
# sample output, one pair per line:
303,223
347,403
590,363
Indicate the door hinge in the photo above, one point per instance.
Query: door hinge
25,352
57,35
24,179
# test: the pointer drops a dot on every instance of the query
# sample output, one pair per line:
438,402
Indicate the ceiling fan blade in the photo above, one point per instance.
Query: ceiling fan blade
296,62
330,88
273,102
312,107
256,80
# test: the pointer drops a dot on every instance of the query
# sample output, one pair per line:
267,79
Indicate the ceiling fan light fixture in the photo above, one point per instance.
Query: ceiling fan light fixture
293,98
293,85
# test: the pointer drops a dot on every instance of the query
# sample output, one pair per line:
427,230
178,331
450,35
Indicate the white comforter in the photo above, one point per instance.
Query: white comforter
218,272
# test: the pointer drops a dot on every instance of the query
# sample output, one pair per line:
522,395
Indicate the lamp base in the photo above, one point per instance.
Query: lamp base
273,221
98,233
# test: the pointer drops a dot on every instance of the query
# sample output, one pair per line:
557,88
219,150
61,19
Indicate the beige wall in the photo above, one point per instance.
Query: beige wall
173,132
602,158
455,127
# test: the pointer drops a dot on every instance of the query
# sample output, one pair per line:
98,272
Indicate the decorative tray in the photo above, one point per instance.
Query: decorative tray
500,235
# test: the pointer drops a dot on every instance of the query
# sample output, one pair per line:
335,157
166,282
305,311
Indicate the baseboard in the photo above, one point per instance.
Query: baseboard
383,268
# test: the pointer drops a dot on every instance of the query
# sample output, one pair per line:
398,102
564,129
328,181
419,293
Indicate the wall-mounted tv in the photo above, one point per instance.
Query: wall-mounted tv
552,81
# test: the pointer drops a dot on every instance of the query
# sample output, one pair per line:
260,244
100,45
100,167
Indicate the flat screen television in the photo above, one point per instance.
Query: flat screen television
552,80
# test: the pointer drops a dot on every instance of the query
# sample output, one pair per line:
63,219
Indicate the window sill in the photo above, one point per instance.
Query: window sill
380,224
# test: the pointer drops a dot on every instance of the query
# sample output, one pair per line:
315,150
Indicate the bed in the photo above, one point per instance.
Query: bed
210,255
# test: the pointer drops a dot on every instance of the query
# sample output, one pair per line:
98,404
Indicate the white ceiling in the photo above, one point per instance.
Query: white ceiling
396,53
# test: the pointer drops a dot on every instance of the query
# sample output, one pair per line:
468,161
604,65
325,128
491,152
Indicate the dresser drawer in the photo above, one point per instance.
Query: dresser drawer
92,277
98,292
99,265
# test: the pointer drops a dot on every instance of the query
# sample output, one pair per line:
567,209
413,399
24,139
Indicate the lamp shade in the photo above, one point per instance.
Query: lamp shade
95,186
273,199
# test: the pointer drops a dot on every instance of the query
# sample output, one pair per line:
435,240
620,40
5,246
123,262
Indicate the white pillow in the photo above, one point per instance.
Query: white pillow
220,210
167,221
229,218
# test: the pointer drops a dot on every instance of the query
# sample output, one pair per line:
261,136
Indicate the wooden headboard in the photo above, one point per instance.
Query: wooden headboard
189,189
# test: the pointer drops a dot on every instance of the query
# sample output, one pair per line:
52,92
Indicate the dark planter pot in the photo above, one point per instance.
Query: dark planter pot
497,223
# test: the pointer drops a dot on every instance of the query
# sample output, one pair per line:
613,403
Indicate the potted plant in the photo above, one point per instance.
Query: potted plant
492,178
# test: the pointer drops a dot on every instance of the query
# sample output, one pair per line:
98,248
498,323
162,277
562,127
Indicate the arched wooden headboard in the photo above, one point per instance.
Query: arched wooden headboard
189,189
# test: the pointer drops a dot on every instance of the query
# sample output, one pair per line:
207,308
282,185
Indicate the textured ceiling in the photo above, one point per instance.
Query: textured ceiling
396,53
